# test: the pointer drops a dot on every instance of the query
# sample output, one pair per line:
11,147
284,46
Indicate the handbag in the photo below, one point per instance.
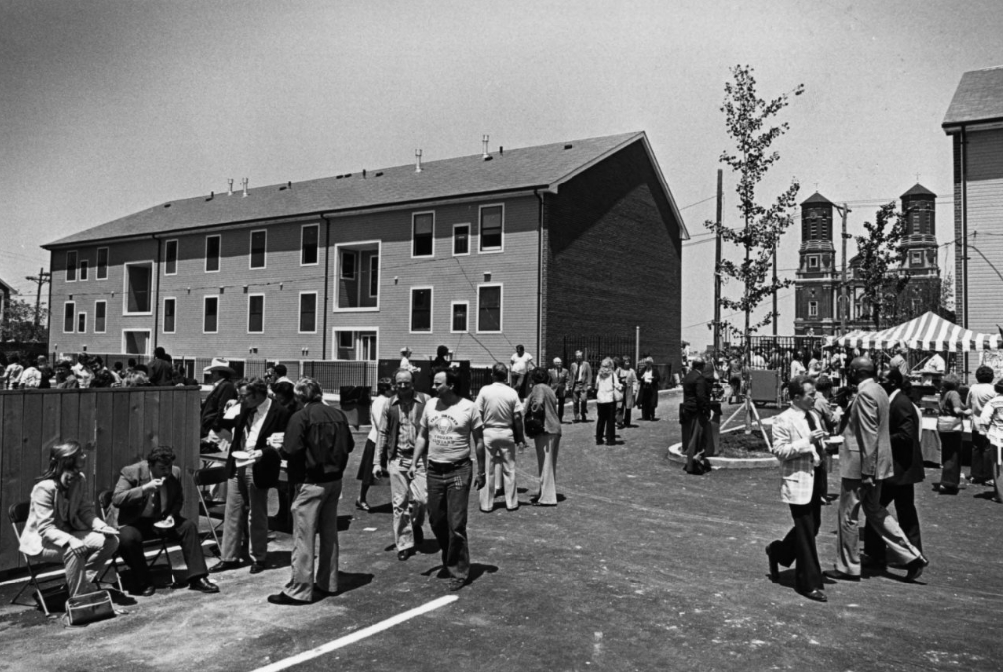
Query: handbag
89,607
617,394
948,423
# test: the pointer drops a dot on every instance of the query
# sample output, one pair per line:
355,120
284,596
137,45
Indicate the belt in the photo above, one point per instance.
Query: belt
446,467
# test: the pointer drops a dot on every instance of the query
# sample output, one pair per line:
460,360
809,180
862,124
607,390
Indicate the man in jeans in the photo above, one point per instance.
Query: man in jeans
399,430
448,426
581,383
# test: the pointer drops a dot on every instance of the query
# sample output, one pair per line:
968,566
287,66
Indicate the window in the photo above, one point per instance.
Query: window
491,227
374,276
69,310
309,244
308,313
171,257
812,261
346,340
917,257
813,309
71,266
489,308
102,270
170,314
212,250
136,341
210,315
258,241
348,265
421,309
138,286
459,310
100,316
355,345
255,313
83,269
461,239
82,323
422,234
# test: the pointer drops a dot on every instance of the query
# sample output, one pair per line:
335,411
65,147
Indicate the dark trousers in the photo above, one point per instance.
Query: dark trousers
905,510
580,401
982,459
696,433
448,493
799,544
950,458
647,401
185,532
605,422
561,398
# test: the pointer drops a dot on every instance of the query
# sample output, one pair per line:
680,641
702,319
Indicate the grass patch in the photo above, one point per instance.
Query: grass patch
739,444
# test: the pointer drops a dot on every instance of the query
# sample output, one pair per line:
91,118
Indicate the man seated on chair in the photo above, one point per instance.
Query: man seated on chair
148,498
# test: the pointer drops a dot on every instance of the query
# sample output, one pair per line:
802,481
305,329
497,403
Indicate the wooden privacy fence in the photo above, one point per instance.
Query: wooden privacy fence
118,425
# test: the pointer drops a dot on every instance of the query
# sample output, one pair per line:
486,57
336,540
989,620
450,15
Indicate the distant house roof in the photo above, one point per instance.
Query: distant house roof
8,288
540,167
816,198
978,98
918,190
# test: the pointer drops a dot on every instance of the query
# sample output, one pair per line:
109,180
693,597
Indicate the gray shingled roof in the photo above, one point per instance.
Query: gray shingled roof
979,97
515,169
816,198
918,190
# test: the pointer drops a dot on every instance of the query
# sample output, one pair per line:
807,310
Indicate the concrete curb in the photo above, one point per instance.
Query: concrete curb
674,454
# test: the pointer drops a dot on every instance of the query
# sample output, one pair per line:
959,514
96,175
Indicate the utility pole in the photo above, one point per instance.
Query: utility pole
844,302
775,312
717,265
42,278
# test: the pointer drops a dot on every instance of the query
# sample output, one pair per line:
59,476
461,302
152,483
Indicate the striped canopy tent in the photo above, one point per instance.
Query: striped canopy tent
928,332
845,340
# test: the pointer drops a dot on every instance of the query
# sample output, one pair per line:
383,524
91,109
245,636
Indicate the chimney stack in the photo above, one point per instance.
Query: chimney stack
417,160
229,191
484,153
245,181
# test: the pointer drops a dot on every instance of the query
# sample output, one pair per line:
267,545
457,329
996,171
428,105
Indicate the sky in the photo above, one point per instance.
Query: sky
110,107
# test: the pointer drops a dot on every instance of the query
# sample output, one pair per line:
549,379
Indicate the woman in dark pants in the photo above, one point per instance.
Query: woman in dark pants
952,411
648,380
606,385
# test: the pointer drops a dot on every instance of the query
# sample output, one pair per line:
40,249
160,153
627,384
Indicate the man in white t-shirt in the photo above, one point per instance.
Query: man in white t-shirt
501,414
935,364
449,424
521,363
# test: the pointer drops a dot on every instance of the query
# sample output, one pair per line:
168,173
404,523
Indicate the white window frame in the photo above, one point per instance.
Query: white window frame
452,305
97,263
354,330
83,266
125,288
916,257
470,239
303,237
337,270
339,333
205,299
73,322
299,312
149,339
163,316
413,216
341,264
480,223
76,265
105,330
813,309
369,277
501,307
431,309
81,314
250,251
177,255
205,254
248,324
814,258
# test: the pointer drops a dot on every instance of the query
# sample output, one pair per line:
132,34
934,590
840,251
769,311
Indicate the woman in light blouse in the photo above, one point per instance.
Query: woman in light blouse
547,443
991,423
606,384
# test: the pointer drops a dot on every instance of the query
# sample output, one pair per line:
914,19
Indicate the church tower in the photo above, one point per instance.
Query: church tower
816,278
919,208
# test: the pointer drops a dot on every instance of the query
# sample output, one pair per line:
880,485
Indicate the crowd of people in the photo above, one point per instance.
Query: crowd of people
91,371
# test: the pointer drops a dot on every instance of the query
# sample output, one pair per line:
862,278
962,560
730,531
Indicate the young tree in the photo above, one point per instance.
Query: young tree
749,123
878,251
18,322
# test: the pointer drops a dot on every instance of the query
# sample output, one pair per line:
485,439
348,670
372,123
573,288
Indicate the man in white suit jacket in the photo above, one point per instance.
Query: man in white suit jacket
797,444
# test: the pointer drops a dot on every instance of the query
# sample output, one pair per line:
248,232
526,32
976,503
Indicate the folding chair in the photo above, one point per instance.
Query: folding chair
18,515
208,507
160,543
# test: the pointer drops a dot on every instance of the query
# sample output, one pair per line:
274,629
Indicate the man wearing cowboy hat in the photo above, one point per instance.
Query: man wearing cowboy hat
406,358
214,405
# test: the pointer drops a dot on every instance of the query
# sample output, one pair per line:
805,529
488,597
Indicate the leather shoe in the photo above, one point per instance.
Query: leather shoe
224,566
774,566
456,584
257,568
282,598
916,567
842,576
203,585
362,506
147,590
403,555
324,593
816,595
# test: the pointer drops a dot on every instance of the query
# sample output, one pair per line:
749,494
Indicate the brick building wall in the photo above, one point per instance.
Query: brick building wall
612,255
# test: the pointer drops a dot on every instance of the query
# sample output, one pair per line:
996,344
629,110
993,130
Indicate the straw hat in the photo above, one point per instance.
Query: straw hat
219,364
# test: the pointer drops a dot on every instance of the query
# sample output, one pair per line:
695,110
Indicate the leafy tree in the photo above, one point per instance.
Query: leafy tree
18,322
749,123
878,252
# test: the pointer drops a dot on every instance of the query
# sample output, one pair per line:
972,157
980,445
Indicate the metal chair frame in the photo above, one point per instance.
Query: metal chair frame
209,507
18,515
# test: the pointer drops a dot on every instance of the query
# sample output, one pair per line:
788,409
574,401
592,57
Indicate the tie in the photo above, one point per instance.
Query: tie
812,426
156,504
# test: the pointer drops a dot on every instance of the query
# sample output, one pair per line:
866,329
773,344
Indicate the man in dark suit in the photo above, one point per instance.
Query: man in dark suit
581,383
247,487
907,456
560,378
223,391
147,493
694,415
160,368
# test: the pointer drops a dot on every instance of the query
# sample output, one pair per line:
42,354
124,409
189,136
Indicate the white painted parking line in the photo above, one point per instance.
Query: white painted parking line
357,635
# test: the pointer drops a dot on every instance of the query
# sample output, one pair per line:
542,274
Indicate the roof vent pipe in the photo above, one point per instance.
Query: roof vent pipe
417,160
229,191
244,182
484,153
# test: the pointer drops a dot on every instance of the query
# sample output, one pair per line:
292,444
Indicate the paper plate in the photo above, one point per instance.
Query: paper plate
166,523
241,455
835,439
243,463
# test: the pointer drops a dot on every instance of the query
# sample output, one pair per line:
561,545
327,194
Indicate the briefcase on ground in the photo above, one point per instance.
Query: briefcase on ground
89,607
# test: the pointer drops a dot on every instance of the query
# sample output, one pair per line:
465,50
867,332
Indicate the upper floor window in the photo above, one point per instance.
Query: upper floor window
813,309
812,261
69,312
82,323
308,313
459,317
102,269
492,220
170,314
489,308
917,257
83,269
171,257
138,288
212,251
421,309
100,316
258,241
422,234
348,258
357,276
461,239
255,313
309,244
210,314
71,266
374,276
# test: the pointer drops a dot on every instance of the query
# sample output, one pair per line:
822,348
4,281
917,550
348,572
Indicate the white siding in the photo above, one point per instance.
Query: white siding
985,230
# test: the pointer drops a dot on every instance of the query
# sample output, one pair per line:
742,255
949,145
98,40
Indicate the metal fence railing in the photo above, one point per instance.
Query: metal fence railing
332,376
